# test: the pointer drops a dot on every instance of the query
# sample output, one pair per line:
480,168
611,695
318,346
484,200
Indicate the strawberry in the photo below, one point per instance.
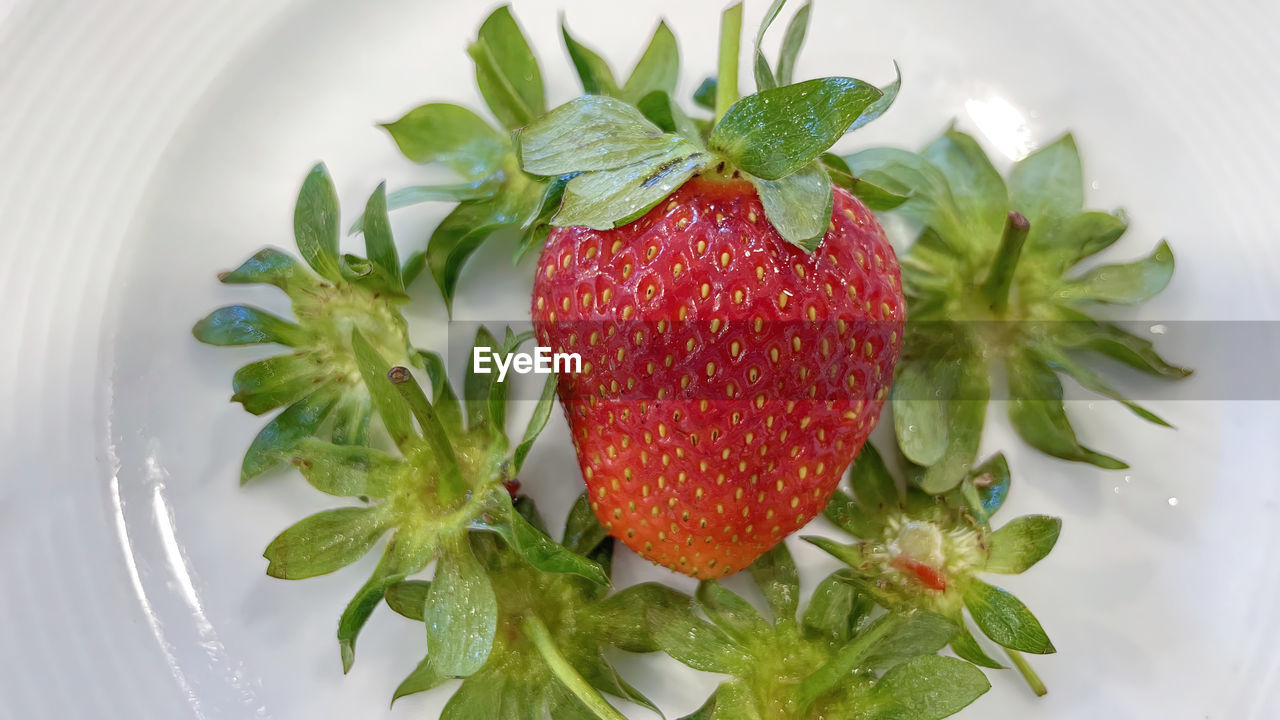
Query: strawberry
728,376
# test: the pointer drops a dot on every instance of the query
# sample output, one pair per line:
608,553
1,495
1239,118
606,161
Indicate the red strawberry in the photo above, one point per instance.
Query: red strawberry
728,377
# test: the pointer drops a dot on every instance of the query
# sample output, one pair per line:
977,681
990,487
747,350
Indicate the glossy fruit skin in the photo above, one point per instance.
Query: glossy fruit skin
728,377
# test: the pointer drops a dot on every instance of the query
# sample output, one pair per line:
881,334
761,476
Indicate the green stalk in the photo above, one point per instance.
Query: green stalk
452,486
537,633
727,71
1028,673
837,670
1000,279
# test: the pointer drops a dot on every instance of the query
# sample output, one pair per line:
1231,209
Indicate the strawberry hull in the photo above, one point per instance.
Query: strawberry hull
729,377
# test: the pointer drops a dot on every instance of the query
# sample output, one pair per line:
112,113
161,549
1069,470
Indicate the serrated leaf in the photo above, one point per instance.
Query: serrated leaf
544,553
1036,411
344,470
736,617
698,644
461,613
592,132
244,325
451,135
792,41
882,105
379,244
976,187
926,688
1047,186
798,205
507,71
409,598
593,70
1021,543
315,223
541,413
774,133
1004,619
390,406
267,384
966,646
658,68
611,198
775,573
274,441
1127,284
272,267
325,542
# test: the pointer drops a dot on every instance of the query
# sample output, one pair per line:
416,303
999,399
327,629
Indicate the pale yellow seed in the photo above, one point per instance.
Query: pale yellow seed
783,298
705,290
715,325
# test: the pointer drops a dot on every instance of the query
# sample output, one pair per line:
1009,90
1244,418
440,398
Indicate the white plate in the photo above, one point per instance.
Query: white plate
158,606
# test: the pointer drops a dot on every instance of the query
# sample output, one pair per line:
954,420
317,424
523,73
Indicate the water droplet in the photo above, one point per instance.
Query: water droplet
1158,329
1173,502
1116,489
911,428
1128,478
1094,185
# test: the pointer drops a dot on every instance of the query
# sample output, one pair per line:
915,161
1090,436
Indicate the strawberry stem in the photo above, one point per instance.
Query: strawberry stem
1028,673
1000,279
538,634
451,486
838,669
727,71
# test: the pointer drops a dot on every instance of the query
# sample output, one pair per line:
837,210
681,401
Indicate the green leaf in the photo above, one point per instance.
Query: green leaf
850,517
315,223
452,135
593,70
1047,186
507,71
775,573
774,133
966,646
760,66
931,203
273,443
351,419
875,488
391,408
621,619
873,196
924,634
1093,381
1037,414
583,533
705,94
882,105
835,608
409,598
325,542
1124,284
798,205
544,553
477,386
792,41
976,187
698,644
612,198
541,413
404,556
592,132
276,381
922,391
1005,619
735,616
422,679
418,194
966,414
272,267
466,227
602,676
445,402
461,613
1083,234
926,688
379,244
1113,342
244,325
848,554
1021,543
658,68
661,110
345,470
538,226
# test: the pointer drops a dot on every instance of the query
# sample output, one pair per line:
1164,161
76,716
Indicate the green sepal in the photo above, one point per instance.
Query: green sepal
592,132
611,198
927,687
966,646
776,575
422,679
379,245
735,616
1003,618
873,196
1036,411
704,96
544,553
271,266
507,71
621,619
404,555
274,441
391,408
277,381
461,612
245,325
345,470
1128,284
798,205
409,598
451,135
315,223
325,542
792,41
925,633
696,643
657,70
836,608
541,413
1021,543
593,70
849,516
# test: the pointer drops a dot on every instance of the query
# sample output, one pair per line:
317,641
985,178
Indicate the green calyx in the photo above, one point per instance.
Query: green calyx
332,296
446,482
992,281
834,660
924,552
551,629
